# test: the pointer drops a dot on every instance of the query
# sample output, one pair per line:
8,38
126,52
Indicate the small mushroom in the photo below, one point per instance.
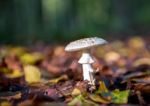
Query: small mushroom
86,60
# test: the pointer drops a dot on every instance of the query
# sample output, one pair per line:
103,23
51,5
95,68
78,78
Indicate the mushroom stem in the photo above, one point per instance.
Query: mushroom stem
86,61
88,73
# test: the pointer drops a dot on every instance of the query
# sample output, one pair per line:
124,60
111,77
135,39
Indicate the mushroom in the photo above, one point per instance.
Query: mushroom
86,59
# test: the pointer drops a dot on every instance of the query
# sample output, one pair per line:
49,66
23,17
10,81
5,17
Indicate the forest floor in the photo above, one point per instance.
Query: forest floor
44,75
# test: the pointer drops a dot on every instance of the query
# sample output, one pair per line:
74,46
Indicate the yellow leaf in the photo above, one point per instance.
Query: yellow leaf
112,57
56,80
15,74
136,42
4,70
31,58
17,50
81,100
32,74
76,92
102,87
141,61
5,103
99,99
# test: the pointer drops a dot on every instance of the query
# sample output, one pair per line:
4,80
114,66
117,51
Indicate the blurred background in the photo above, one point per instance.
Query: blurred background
55,21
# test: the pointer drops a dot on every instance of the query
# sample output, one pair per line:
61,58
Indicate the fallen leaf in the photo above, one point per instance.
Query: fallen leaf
16,95
56,80
102,87
115,96
77,101
141,61
136,75
144,88
144,80
59,51
52,104
81,101
53,94
26,103
136,42
31,58
5,103
65,88
12,62
111,57
18,51
15,74
32,74
5,70
120,97
82,86
76,92
99,99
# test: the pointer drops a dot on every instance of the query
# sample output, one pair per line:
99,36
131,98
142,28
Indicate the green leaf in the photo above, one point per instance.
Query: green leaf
120,97
116,96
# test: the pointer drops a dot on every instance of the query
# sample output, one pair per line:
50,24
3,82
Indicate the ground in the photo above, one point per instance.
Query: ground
44,75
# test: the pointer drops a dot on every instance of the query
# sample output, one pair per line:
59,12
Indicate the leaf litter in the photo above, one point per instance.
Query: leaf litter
47,75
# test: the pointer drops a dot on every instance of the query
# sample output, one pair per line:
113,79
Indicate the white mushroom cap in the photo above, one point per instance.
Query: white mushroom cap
84,43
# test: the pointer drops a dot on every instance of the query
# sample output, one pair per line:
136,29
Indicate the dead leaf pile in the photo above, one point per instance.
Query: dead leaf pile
47,75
